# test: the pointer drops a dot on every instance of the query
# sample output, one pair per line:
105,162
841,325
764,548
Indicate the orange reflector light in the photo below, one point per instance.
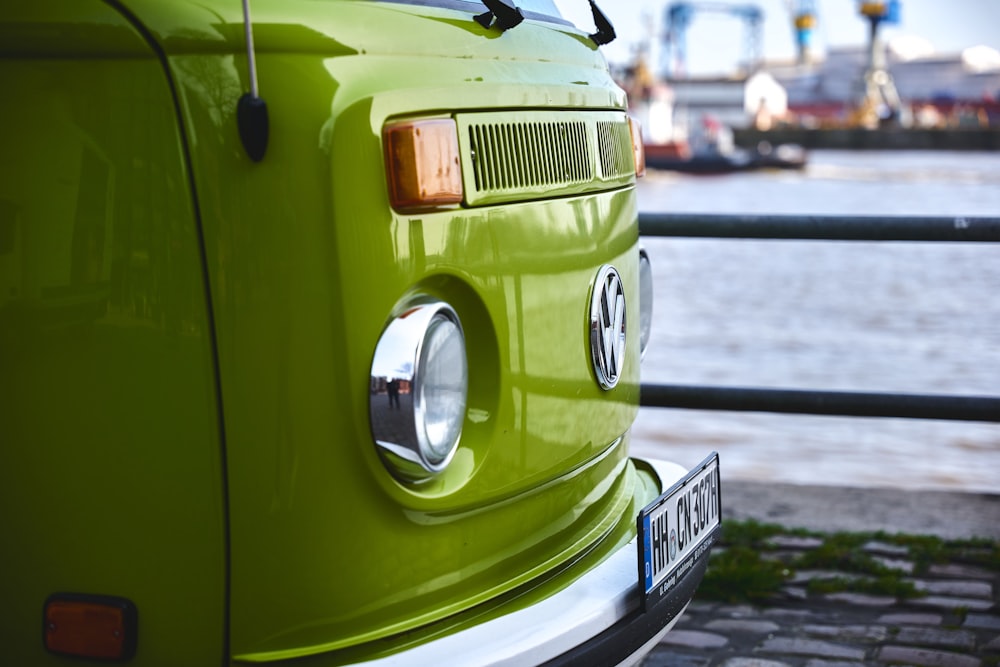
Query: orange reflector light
638,151
422,164
90,626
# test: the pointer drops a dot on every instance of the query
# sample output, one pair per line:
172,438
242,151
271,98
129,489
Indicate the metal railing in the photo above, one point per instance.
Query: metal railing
825,228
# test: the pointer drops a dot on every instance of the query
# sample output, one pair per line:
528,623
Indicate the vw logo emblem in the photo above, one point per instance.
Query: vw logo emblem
607,326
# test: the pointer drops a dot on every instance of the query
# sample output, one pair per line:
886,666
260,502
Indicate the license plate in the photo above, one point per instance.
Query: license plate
677,529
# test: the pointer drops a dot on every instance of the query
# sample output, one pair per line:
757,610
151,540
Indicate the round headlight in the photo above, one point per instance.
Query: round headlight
419,387
441,389
645,300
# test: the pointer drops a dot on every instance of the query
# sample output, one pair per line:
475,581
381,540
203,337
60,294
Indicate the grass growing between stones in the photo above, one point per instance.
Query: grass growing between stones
886,585
748,564
737,570
739,574
926,551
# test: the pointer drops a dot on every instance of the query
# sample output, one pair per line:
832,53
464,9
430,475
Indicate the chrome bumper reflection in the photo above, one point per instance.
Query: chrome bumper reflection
596,603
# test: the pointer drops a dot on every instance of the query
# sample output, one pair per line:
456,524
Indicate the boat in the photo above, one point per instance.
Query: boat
678,156
670,143
711,150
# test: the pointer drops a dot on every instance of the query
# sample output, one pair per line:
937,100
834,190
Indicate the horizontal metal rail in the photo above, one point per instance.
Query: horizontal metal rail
832,403
821,227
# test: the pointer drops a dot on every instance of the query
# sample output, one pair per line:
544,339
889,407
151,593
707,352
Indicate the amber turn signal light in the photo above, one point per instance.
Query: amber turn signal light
638,152
423,164
90,626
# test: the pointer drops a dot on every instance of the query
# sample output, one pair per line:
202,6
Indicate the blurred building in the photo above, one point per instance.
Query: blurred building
960,90
943,90
732,101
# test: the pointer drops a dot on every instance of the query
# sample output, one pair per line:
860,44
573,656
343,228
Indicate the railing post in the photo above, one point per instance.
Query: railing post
821,227
839,403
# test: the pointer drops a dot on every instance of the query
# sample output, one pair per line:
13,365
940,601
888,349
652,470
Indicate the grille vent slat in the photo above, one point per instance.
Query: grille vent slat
615,143
529,155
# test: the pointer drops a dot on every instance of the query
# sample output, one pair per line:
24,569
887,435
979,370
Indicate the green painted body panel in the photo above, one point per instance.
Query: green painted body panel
215,400
111,474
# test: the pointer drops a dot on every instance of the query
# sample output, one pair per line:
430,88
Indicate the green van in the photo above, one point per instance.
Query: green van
320,330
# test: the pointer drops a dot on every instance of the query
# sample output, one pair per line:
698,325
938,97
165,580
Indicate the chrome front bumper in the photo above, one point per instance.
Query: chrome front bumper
596,620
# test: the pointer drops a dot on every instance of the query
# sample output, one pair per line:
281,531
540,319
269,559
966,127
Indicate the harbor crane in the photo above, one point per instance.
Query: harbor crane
678,18
804,21
878,101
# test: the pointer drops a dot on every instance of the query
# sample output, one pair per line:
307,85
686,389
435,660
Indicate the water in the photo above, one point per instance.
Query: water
907,317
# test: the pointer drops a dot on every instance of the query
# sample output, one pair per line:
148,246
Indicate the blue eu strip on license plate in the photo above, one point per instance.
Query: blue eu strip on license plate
677,529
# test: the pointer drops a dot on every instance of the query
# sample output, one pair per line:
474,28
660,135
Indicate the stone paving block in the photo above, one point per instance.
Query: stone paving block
982,622
909,655
946,602
795,542
742,625
805,576
939,637
811,647
753,662
992,646
833,663
956,588
877,548
785,557
911,619
738,611
789,613
699,606
861,599
848,633
904,566
694,639
960,571
667,658
795,593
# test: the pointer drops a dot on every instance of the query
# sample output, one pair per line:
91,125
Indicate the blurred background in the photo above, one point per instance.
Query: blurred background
716,31
881,108
906,317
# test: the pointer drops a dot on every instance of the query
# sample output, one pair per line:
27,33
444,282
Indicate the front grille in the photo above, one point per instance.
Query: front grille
531,155
614,144
514,156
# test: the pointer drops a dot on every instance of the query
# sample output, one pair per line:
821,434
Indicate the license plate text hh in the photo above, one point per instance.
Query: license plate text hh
677,529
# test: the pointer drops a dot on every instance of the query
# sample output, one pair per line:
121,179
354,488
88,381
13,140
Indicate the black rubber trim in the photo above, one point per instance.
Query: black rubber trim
628,635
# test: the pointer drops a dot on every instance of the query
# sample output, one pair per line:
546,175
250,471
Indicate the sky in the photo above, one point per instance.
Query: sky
716,41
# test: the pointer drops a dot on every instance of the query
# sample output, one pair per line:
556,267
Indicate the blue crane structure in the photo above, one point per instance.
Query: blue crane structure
678,17
804,21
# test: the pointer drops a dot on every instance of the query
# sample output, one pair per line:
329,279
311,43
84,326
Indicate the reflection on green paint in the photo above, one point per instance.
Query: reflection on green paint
186,336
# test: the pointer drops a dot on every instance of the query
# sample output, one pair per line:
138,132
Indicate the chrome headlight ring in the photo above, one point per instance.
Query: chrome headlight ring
419,390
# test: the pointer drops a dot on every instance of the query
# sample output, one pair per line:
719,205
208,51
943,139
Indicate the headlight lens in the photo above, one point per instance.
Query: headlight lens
441,389
419,388
645,300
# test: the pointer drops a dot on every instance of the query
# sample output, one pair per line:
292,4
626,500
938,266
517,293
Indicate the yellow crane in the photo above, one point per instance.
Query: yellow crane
878,103
804,19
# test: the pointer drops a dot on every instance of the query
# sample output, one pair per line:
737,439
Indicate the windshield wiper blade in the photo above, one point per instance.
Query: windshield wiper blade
605,31
507,16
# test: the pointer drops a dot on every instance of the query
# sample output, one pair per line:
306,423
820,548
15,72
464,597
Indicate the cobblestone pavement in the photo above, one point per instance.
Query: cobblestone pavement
956,623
